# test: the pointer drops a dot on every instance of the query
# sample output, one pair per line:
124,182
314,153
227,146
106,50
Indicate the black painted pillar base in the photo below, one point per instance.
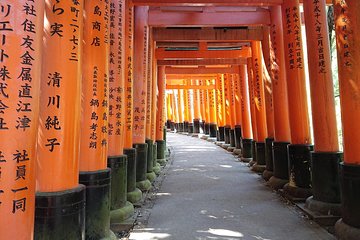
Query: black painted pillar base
60,215
168,124
222,134
207,128
120,208
134,194
196,126
268,173
325,183
238,136
202,125
260,164
186,126
97,220
150,174
227,134
172,126
253,150
280,165
161,149
232,138
156,165
348,228
181,127
212,130
191,128
246,145
299,186
141,167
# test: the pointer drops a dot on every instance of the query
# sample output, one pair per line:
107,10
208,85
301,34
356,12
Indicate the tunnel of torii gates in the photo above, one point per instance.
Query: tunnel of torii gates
87,87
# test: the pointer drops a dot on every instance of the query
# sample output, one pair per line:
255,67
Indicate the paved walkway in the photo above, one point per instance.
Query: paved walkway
208,194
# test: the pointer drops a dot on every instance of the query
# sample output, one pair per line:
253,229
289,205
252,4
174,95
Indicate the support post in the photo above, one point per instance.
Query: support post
220,107
197,113
299,186
252,111
347,24
161,144
238,117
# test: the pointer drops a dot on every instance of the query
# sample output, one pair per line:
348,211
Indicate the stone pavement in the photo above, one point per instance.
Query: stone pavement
209,194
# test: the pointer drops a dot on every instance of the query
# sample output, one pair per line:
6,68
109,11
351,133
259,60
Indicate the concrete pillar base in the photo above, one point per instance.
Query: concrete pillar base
225,146
157,168
211,139
230,149
144,185
277,183
258,168
246,160
267,175
296,194
121,214
344,231
162,161
218,143
195,135
237,151
134,196
151,176
205,137
252,162
323,208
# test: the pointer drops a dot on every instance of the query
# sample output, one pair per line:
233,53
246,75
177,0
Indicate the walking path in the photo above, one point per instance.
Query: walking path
209,194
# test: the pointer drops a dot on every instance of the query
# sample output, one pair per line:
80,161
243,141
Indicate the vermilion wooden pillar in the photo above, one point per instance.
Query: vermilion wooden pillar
282,135
190,99
197,107
299,152
252,159
169,110
212,110
202,105
173,107
160,123
220,107
326,157
238,117
117,161
20,67
141,51
232,110
260,108
181,109
247,135
207,107
95,118
347,24
133,193
227,98
186,108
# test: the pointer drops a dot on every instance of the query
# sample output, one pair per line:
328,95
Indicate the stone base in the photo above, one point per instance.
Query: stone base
258,168
296,194
246,160
162,161
121,214
195,135
157,169
230,149
344,231
134,196
151,176
252,162
277,183
144,185
267,175
205,137
219,143
225,146
211,139
323,208
237,151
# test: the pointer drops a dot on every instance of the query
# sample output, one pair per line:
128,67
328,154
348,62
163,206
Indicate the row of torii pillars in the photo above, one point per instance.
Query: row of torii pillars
83,95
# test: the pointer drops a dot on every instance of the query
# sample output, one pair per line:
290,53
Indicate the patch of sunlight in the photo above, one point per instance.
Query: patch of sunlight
226,166
199,166
163,194
203,211
261,238
148,235
223,232
211,216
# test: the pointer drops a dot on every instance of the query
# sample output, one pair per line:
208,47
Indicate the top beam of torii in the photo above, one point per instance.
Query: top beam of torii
212,2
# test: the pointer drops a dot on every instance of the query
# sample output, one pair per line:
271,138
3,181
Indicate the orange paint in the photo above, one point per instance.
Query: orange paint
116,78
95,88
278,77
169,109
294,61
227,95
212,103
186,106
232,100
174,108
202,94
141,39
190,105
181,105
207,102
237,95
154,91
18,125
321,84
197,114
149,86
161,104
220,100
252,98
129,55
348,36
245,104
